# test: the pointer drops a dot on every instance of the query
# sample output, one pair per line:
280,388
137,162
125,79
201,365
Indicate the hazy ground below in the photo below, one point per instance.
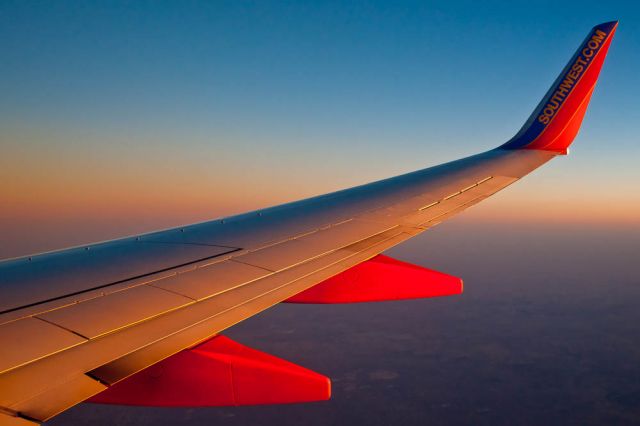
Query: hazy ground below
547,332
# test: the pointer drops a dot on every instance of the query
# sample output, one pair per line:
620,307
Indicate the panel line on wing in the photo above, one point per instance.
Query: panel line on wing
455,194
120,281
300,250
62,327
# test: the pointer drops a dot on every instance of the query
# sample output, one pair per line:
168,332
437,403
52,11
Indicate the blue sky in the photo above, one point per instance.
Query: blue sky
255,103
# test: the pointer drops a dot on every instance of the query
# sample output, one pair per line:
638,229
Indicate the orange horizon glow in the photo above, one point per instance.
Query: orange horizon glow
55,214
57,194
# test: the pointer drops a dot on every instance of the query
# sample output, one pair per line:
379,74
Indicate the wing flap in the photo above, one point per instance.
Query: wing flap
28,339
54,400
13,419
105,314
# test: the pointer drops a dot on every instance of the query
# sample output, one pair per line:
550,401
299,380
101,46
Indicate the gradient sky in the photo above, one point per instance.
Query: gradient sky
118,118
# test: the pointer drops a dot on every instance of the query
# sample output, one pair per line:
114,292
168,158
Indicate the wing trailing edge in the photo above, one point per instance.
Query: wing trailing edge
555,122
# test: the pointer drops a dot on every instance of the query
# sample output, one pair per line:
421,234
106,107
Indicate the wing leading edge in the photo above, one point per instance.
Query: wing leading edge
77,321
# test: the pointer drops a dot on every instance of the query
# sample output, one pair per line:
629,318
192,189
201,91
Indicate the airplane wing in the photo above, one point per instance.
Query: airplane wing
84,322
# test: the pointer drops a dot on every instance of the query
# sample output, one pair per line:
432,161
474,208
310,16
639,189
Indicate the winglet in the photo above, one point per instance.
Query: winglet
556,120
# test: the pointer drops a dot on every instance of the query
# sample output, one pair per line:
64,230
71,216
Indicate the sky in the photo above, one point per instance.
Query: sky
124,117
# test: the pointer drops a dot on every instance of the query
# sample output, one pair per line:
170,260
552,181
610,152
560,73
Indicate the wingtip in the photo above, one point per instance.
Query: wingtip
607,26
